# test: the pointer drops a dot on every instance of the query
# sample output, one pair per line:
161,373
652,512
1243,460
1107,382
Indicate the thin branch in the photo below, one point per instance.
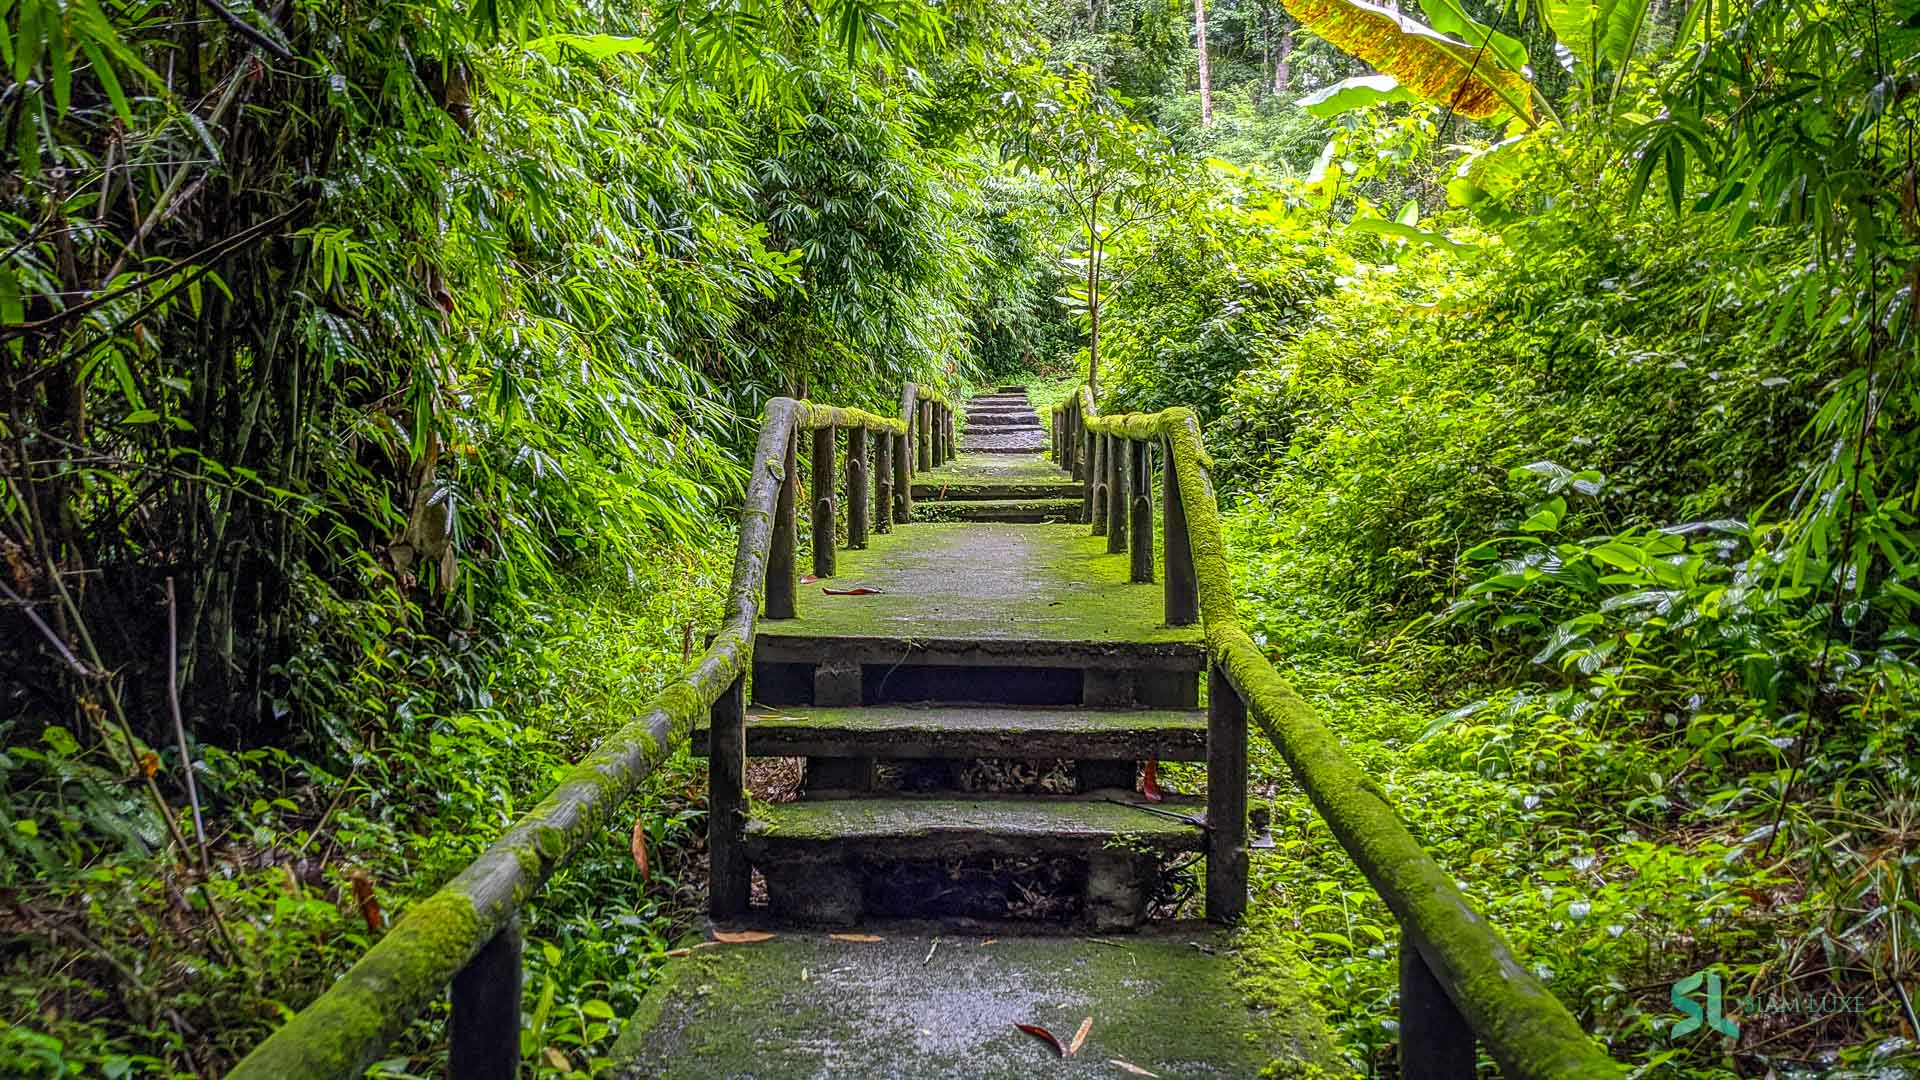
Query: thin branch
252,33
212,251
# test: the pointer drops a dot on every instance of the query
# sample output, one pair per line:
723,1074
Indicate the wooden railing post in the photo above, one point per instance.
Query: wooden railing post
483,1040
882,482
1183,591
1101,448
923,434
953,434
1117,477
1140,464
823,540
857,487
902,478
782,551
1053,437
1226,798
730,878
1435,1041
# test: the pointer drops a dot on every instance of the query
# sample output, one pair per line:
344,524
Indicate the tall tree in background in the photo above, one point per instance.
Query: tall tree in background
1111,174
1283,63
1200,52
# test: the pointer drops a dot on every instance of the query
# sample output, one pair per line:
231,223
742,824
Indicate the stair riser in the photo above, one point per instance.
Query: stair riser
963,745
960,511
1016,518
934,676
1016,423
1065,489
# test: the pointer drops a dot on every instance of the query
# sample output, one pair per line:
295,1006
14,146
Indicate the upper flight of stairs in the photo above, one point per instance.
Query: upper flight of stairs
997,477
972,728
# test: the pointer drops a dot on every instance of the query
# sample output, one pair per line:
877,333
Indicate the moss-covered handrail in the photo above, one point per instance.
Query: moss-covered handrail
466,934
1460,980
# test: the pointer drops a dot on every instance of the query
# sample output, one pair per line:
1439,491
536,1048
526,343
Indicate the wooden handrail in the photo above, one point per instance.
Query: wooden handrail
1459,980
466,934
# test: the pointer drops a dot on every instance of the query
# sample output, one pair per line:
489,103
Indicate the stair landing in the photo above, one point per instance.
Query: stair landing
985,582
808,1006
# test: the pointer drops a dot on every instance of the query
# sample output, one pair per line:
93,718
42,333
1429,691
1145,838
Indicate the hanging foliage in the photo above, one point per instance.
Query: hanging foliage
1472,78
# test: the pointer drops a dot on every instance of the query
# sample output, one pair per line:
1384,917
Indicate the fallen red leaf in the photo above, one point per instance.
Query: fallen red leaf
1150,781
363,896
640,848
1080,1037
808,579
857,590
1043,1035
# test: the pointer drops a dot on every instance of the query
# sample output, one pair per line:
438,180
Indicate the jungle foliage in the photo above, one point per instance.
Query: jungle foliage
391,363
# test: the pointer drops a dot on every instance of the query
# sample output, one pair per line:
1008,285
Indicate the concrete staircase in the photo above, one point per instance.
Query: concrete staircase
972,729
999,475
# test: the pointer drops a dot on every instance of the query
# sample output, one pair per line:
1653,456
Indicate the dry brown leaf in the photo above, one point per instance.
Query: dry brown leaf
149,763
856,937
857,590
990,941
1043,1035
1128,1066
558,1060
640,848
742,937
1080,1037
363,896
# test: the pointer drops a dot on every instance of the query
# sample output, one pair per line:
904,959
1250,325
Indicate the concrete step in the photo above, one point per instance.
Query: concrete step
969,488
939,1001
830,861
1032,441
1008,511
975,731
1003,419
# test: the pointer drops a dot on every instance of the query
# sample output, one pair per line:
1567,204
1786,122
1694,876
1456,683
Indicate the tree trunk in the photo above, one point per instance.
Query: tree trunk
1093,313
1283,67
1206,74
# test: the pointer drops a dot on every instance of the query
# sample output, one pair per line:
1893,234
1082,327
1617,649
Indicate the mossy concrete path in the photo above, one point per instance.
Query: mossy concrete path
935,1002
970,714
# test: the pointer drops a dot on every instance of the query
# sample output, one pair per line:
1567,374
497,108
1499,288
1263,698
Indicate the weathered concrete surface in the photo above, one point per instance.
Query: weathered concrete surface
807,1007
984,470
1004,509
937,827
984,582
1004,441
974,731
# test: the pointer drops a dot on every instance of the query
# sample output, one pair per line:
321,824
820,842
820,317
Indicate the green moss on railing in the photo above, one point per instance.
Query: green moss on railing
1529,1032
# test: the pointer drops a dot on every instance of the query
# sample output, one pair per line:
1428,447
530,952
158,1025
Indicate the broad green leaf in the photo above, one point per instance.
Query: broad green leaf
1355,93
1411,233
1448,17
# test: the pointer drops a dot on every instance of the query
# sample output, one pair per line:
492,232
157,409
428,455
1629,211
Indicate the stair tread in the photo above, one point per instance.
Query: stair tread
935,827
968,731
